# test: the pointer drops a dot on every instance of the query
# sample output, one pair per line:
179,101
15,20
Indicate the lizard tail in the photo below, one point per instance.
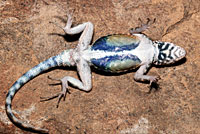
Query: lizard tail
63,59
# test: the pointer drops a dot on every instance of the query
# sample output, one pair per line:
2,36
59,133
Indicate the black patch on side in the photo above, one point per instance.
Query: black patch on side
162,56
8,94
7,105
29,75
170,52
15,89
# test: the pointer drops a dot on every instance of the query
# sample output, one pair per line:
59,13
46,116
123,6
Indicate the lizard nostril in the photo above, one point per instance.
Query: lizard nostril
182,52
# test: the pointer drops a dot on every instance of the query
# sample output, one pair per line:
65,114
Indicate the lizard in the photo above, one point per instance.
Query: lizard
112,53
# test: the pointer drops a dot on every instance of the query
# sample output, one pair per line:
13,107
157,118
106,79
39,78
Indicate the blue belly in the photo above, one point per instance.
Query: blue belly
119,61
116,43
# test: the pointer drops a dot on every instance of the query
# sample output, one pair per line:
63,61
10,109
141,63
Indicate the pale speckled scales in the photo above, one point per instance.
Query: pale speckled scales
113,53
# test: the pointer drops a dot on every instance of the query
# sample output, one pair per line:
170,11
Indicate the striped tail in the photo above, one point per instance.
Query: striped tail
63,59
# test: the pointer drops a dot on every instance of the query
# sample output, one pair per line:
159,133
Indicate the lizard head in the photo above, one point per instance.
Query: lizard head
167,53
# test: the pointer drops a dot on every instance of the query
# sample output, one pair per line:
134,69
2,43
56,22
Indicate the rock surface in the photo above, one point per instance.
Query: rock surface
116,104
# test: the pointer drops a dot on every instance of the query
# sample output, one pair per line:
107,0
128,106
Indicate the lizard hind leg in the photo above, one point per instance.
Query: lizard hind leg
83,67
60,95
85,84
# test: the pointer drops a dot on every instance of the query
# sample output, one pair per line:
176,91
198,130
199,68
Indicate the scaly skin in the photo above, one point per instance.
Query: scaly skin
112,53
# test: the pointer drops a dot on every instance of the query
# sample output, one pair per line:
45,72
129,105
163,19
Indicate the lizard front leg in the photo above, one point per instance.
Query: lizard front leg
142,28
140,75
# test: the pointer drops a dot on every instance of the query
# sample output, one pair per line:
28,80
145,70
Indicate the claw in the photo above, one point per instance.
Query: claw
63,93
53,78
153,83
48,98
149,22
69,20
60,95
154,79
142,27
70,13
56,24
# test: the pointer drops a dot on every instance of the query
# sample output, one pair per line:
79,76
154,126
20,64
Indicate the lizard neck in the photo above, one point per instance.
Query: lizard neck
156,52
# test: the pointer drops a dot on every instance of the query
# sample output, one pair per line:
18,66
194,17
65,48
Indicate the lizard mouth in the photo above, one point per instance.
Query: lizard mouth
179,53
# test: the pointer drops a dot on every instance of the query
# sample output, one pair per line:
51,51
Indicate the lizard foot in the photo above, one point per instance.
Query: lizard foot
61,94
143,27
153,83
69,21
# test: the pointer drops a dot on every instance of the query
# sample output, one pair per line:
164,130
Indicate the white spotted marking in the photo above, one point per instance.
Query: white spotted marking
12,93
35,71
17,85
24,79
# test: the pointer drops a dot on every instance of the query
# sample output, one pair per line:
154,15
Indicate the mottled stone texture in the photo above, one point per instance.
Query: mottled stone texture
116,104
